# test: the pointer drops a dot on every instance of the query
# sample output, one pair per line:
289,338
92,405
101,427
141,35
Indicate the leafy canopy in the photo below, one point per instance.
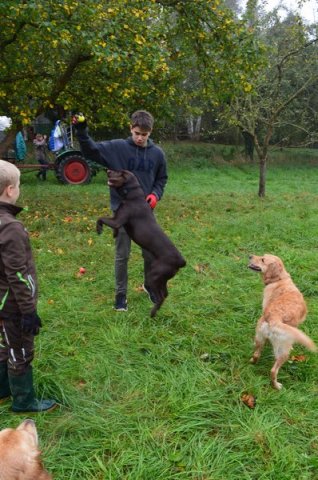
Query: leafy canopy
108,57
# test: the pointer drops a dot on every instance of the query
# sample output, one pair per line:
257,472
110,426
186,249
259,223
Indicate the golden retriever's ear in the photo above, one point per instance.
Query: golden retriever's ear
273,272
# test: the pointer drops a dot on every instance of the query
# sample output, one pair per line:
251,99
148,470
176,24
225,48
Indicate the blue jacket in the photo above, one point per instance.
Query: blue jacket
147,163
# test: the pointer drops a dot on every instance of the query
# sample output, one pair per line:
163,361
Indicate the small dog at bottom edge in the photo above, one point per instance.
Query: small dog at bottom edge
284,308
20,455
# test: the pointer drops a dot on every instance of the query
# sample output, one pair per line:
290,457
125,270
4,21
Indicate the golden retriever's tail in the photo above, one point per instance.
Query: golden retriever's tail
297,336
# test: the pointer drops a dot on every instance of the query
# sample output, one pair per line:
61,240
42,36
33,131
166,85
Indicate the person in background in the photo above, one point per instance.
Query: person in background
19,321
20,147
140,155
40,146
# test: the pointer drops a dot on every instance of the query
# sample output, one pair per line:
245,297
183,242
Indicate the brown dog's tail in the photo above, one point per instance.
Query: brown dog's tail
297,336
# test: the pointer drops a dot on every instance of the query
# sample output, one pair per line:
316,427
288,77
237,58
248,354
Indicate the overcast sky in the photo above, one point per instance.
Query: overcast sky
309,10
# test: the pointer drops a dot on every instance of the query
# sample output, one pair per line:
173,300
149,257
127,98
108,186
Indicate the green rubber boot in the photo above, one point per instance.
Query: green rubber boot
23,395
5,392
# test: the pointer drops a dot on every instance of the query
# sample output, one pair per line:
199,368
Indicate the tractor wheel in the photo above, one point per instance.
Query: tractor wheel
74,169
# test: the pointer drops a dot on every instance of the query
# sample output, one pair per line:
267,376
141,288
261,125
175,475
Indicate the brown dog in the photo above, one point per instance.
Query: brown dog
20,456
284,308
135,214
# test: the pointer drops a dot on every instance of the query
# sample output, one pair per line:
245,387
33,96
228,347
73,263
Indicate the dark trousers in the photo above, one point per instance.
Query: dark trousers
44,169
16,347
123,246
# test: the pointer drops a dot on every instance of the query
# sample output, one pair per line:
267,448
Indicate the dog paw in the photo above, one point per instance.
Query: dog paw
277,385
99,226
253,360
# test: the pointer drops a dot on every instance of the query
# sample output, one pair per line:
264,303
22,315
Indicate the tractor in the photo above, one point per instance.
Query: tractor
69,165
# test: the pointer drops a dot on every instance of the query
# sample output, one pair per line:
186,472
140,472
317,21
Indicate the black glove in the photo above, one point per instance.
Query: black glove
31,323
79,121
99,225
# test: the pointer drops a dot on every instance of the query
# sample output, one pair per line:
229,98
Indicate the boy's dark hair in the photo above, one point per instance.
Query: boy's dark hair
142,119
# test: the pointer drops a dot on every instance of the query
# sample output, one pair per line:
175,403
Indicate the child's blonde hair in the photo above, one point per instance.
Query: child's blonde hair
9,175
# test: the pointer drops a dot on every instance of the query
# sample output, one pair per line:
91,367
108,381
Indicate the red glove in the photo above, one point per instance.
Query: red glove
152,200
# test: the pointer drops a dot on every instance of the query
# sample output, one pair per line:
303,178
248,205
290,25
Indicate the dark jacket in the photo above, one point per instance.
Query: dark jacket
147,163
18,283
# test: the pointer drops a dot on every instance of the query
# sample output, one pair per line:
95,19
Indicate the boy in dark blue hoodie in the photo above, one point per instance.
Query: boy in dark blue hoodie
146,160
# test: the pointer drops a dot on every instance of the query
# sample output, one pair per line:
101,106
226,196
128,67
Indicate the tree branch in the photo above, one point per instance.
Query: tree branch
295,52
7,42
168,3
309,82
63,80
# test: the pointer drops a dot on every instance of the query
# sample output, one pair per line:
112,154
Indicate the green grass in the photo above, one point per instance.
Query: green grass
138,402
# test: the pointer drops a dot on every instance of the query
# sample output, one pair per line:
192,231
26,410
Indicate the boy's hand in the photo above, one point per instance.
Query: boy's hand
31,323
152,200
79,121
99,225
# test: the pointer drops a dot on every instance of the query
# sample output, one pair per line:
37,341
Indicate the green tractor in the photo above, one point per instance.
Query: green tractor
70,165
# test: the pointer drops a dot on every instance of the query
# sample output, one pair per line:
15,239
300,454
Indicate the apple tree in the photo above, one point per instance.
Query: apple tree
106,58
281,94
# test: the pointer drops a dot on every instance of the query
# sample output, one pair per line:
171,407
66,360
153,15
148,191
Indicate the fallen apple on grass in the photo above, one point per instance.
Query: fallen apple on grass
81,271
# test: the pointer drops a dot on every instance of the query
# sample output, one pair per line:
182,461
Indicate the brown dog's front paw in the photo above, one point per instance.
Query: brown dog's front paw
99,225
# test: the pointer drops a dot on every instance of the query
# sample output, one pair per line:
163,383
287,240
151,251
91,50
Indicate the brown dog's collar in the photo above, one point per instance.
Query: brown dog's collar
123,191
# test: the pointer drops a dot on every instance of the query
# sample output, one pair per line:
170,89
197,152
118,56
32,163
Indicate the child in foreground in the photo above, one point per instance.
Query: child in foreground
19,321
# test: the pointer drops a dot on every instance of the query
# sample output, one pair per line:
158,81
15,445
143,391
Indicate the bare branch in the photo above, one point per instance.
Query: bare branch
296,52
310,81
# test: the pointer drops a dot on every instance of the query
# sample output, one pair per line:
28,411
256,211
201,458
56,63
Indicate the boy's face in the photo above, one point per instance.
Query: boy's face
139,136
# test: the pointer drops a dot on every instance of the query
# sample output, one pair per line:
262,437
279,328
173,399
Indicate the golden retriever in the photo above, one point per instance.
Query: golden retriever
284,308
20,456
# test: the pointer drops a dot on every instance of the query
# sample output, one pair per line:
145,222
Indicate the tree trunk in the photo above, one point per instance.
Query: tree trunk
197,128
194,127
190,126
262,155
262,176
248,145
